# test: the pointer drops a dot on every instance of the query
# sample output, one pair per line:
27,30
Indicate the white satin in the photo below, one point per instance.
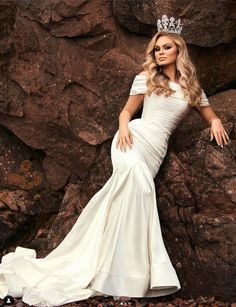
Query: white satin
116,246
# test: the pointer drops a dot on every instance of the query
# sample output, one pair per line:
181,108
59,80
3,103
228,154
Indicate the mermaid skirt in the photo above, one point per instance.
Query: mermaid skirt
114,248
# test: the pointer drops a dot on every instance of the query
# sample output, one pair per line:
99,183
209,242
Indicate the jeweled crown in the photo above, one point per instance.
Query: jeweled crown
169,25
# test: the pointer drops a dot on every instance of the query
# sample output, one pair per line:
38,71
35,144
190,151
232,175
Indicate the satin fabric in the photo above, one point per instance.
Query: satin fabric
115,247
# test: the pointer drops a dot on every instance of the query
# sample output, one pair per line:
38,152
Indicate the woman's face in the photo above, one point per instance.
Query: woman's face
165,51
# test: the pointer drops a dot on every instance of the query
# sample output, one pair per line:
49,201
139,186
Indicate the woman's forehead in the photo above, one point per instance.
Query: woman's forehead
163,40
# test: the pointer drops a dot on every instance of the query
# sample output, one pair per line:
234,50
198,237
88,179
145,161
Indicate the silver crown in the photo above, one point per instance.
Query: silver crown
169,25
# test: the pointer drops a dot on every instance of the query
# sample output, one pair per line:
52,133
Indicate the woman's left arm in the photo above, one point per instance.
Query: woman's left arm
217,129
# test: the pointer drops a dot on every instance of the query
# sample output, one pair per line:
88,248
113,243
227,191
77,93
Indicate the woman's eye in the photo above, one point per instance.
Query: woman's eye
157,49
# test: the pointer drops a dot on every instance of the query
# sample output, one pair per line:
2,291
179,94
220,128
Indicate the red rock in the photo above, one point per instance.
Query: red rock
65,75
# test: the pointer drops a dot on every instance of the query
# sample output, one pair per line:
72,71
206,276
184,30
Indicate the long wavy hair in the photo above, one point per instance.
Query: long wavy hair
157,81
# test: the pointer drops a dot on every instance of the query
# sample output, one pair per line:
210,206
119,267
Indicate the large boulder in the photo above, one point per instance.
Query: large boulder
141,17
66,67
196,198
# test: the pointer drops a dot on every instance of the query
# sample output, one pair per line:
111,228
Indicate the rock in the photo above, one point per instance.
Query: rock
195,189
77,196
141,17
26,199
66,68
57,175
65,102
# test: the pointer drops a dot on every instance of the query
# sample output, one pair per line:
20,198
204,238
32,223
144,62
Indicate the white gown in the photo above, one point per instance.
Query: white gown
115,247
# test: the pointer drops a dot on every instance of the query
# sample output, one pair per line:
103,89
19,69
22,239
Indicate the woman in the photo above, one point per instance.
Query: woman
167,59
116,246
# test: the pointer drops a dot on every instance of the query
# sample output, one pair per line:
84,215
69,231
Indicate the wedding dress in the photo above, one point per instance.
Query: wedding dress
115,247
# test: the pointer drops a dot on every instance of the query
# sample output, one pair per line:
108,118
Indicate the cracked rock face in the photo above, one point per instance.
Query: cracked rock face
140,17
196,195
66,67
196,202
27,202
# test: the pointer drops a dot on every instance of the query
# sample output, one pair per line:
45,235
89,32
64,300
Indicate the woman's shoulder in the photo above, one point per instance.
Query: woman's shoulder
143,73
142,76
139,84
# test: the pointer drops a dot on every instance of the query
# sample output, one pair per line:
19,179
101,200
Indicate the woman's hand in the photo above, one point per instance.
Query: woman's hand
124,137
218,131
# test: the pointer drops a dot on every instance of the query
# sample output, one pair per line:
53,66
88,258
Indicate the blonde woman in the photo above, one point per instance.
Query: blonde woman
116,247
168,70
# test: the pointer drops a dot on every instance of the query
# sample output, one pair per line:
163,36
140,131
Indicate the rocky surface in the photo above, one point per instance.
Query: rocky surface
66,67
28,204
201,301
196,201
141,17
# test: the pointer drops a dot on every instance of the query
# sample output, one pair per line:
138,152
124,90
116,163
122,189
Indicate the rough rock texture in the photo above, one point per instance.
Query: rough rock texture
66,67
164,301
141,17
196,201
28,204
77,196
196,198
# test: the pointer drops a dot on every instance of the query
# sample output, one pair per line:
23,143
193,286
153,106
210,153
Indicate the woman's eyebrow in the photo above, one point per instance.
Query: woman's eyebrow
164,44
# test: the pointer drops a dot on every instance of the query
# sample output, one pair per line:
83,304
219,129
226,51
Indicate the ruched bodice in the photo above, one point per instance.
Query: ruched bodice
164,112
160,116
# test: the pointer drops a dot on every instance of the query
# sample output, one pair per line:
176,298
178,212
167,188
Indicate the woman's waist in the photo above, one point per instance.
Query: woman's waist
159,123
149,126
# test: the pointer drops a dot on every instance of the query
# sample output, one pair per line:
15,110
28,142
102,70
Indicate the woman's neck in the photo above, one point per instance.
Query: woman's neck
170,72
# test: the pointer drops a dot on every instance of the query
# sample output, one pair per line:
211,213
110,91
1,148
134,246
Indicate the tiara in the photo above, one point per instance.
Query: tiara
169,25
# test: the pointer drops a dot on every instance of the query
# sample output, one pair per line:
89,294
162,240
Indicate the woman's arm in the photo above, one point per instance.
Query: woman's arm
217,129
132,105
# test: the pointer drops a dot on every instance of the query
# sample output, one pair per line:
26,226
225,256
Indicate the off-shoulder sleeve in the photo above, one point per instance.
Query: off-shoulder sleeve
204,101
139,85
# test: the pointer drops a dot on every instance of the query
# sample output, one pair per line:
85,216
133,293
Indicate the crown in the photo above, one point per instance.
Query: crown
169,25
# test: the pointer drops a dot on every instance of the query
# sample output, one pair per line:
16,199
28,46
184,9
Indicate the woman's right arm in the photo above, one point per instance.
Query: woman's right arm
131,107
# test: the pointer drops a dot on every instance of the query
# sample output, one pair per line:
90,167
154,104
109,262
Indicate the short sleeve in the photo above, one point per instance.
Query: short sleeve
139,85
204,101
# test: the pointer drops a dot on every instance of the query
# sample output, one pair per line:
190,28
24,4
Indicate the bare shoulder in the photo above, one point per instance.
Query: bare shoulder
144,72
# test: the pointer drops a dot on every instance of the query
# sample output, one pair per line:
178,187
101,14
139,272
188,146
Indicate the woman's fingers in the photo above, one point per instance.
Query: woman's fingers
218,131
130,140
224,135
124,141
212,136
124,144
216,136
221,137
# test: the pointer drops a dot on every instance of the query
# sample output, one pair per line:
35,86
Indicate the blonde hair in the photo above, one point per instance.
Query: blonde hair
157,81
